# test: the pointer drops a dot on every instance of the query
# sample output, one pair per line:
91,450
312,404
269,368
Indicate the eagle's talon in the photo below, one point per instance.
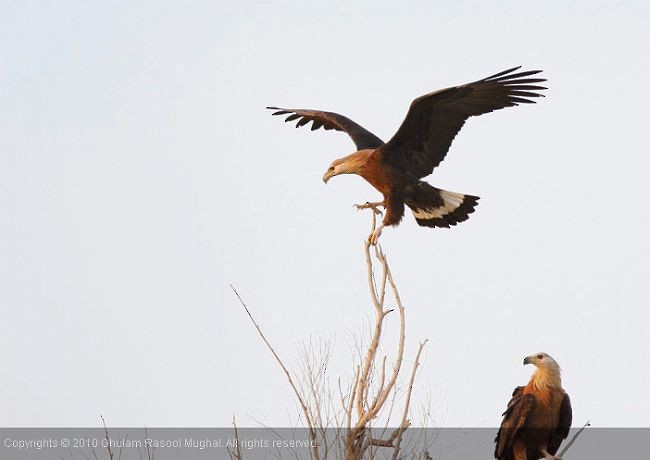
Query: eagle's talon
549,456
374,236
373,206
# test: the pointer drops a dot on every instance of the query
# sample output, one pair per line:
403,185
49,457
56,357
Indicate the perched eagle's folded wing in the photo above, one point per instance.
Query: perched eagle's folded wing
563,426
361,137
514,419
433,120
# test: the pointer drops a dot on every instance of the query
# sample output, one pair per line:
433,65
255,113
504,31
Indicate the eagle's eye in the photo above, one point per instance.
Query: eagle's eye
540,356
331,168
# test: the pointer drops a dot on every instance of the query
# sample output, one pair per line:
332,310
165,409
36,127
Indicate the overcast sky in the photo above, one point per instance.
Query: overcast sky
141,175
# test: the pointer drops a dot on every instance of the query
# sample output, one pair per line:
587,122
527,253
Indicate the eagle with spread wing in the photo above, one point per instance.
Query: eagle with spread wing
395,168
538,417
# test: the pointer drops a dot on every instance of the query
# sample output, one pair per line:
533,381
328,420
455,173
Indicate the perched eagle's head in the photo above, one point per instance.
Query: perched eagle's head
350,164
541,361
547,373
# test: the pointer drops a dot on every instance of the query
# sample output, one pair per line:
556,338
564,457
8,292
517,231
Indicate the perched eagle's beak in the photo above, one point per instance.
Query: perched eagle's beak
328,174
527,360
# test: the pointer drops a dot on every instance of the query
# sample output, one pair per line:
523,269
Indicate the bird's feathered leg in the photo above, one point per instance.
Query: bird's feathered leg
394,205
371,205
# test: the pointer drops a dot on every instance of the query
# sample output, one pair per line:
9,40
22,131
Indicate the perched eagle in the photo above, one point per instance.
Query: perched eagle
538,416
419,145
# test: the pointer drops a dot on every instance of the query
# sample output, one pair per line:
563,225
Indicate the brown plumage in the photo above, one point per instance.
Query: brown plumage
538,416
419,145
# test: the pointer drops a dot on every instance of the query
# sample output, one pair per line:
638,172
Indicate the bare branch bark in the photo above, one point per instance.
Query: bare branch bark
352,396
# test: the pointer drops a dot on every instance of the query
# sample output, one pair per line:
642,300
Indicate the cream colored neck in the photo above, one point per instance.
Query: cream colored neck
545,378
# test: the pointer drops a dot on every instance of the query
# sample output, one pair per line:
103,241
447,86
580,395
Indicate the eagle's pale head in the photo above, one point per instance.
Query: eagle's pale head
350,164
548,370
541,360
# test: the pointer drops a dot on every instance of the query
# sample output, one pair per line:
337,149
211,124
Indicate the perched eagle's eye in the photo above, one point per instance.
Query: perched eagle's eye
331,168
540,356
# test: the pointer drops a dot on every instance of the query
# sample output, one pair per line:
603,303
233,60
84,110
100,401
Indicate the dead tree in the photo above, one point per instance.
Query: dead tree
366,401
373,387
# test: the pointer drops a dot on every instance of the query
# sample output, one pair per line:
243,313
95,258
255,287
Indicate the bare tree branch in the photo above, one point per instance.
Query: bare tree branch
353,392
236,455
405,423
368,408
573,439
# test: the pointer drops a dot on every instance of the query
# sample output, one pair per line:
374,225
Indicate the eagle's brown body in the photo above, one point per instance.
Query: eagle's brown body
538,416
388,180
380,176
419,145
400,189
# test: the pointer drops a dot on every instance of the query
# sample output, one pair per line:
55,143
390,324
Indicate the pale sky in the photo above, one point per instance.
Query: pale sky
141,175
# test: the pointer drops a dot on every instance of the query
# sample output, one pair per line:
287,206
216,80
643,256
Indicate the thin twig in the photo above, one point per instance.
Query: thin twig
314,375
305,410
353,392
573,439
238,454
149,452
108,439
119,454
405,423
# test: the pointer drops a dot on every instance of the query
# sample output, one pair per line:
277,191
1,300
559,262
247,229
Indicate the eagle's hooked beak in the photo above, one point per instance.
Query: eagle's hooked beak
527,360
328,175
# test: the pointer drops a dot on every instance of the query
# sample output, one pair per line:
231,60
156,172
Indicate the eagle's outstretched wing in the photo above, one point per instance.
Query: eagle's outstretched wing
433,120
563,426
514,419
361,137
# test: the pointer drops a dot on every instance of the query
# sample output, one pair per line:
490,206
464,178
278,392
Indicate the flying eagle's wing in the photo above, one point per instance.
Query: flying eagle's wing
433,120
514,419
361,137
563,426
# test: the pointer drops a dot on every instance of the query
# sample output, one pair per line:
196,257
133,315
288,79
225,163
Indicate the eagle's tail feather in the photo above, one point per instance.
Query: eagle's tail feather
433,207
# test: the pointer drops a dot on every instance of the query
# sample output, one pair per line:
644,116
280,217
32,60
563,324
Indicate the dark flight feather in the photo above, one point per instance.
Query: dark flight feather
563,426
362,138
514,424
420,144
434,120
514,419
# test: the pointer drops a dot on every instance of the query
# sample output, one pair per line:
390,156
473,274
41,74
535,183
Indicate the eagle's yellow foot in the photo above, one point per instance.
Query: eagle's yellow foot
548,456
374,236
374,206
